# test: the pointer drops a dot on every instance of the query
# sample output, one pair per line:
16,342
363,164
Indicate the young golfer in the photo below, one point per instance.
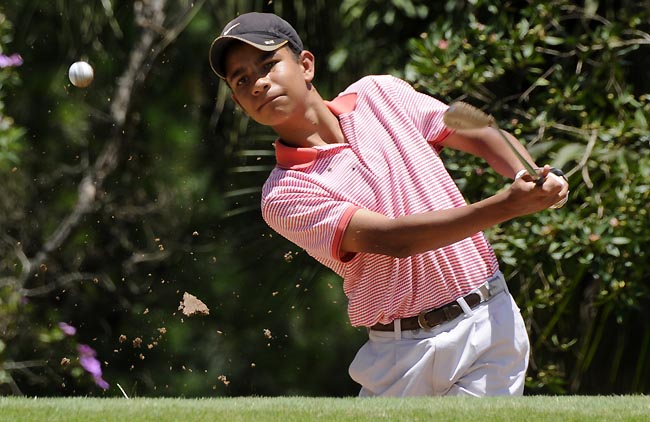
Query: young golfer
360,185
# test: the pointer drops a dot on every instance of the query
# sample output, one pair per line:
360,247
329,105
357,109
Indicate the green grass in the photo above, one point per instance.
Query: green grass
288,409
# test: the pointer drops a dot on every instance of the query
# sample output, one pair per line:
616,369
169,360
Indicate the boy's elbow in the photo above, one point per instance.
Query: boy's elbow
395,247
401,250
377,234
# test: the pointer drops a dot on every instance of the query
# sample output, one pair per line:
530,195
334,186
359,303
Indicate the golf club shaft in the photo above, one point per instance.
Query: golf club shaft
529,168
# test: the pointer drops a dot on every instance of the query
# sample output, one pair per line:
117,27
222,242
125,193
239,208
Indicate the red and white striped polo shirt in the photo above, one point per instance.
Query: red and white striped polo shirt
390,165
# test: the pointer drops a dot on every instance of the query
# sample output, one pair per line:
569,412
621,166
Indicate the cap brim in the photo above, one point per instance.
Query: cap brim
221,44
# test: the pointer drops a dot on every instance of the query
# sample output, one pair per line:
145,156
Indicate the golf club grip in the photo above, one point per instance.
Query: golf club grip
540,180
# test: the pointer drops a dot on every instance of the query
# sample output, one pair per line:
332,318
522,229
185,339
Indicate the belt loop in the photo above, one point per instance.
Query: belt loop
497,284
463,304
397,328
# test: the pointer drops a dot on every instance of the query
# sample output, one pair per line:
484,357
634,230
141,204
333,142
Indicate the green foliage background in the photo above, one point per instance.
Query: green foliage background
118,198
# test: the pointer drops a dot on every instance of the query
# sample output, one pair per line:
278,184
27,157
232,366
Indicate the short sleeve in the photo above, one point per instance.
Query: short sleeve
307,215
426,112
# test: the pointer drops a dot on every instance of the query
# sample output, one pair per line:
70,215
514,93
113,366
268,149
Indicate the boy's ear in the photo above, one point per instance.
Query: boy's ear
308,62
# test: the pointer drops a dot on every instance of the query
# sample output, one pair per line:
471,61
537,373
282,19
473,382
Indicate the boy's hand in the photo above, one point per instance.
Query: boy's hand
532,197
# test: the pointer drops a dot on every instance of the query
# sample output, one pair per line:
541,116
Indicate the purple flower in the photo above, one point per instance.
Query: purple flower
86,351
10,61
101,383
67,329
90,363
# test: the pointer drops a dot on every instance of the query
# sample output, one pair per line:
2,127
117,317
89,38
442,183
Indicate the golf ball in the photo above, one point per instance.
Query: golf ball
81,74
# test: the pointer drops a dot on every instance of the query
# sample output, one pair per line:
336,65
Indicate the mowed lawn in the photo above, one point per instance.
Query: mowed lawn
288,409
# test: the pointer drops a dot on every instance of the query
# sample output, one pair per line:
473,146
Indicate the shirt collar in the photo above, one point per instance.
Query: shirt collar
291,158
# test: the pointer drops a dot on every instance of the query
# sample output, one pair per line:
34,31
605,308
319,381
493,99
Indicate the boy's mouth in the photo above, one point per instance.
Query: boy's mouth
267,101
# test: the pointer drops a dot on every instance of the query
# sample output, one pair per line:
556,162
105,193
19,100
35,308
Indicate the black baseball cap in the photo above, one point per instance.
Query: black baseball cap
264,31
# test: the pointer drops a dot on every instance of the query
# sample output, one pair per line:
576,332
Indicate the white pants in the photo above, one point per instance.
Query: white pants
483,354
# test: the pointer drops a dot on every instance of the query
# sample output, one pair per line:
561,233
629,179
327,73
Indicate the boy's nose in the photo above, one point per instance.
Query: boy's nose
262,85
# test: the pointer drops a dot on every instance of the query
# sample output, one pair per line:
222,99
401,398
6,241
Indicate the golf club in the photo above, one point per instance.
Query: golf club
461,115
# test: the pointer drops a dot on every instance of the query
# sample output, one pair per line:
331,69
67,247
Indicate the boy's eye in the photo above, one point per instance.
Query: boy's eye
241,81
265,67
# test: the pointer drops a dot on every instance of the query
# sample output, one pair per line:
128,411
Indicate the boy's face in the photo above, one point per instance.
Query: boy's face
271,86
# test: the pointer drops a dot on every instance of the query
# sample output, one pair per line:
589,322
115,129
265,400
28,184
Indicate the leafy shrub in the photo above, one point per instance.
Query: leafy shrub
560,77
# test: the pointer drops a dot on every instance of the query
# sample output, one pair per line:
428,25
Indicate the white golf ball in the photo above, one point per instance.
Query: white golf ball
81,74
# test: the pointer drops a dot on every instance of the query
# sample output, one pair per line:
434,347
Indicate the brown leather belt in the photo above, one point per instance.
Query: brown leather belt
434,317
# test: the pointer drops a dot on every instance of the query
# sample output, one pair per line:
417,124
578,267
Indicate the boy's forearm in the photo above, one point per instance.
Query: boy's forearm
412,234
417,233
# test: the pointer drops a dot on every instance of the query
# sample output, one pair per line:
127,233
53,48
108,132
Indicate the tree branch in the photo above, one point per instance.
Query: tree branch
150,16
